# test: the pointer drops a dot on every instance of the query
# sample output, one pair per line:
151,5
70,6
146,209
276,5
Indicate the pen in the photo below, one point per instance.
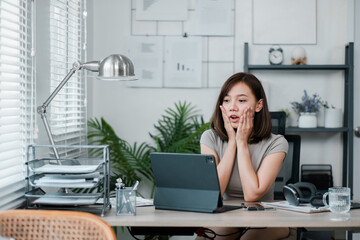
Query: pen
135,185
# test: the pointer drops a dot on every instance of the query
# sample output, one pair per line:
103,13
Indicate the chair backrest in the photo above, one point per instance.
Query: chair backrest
289,172
29,224
318,174
278,120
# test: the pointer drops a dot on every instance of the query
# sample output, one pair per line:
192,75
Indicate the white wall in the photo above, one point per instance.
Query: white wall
42,63
133,111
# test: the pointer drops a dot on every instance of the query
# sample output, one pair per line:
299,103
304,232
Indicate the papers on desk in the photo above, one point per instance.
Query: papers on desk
304,208
64,181
67,199
62,169
140,201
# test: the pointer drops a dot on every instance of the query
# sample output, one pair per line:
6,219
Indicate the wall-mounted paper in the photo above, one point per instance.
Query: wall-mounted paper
274,25
183,66
214,18
161,10
146,53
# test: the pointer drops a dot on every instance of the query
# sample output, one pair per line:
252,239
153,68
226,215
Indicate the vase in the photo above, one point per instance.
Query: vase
292,120
321,117
333,118
307,120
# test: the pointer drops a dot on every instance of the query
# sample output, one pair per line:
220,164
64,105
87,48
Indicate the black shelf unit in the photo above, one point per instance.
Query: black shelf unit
318,129
348,129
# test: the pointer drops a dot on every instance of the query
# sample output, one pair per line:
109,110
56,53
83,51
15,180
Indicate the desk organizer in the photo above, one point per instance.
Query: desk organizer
125,201
80,183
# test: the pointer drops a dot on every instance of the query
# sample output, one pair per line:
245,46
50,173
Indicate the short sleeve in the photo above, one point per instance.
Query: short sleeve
279,144
208,138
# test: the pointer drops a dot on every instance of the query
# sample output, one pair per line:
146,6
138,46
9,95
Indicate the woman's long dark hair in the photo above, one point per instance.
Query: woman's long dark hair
262,120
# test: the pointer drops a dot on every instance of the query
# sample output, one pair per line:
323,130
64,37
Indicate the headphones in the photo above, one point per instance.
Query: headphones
303,192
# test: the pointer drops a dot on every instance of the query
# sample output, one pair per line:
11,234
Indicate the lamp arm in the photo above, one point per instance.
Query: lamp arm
42,109
76,66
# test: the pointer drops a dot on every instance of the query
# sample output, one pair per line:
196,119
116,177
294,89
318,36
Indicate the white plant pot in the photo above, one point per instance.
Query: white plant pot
307,120
333,118
321,117
292,120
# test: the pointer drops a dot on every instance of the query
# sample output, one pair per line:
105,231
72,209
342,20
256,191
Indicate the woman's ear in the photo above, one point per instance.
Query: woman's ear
259,105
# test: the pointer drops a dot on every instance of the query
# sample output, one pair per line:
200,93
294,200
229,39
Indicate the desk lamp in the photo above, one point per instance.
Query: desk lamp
113,68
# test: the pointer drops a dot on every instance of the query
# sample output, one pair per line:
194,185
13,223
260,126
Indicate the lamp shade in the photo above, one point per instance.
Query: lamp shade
116,67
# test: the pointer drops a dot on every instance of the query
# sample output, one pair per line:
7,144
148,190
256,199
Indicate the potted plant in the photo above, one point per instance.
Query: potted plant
333,116
179,130
307,109
287,112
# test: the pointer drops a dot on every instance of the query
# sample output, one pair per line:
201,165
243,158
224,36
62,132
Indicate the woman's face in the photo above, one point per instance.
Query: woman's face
237,100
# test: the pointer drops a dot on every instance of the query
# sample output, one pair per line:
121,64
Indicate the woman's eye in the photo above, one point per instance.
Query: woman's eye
226,100
241,100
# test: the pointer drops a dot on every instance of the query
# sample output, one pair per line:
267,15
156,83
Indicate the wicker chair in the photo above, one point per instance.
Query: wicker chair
53,224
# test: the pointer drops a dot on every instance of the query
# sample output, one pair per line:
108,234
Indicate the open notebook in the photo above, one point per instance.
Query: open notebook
187,182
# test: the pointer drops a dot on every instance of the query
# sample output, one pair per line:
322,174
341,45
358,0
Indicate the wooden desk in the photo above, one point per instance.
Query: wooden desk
149,217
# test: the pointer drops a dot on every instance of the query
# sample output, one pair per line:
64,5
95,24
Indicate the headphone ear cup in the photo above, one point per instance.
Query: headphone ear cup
291,195
308,191
317,201
306,185
297,188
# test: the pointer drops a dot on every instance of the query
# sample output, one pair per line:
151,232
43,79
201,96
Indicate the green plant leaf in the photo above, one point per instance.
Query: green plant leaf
179,131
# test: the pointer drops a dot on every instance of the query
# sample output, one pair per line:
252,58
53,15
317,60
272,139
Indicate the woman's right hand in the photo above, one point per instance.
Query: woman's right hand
229,129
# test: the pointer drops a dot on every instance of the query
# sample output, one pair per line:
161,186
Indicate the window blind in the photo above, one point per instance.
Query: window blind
67,111
16,98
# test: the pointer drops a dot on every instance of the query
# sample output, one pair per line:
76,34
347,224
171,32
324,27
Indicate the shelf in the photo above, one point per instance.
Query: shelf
348,138
318,129
298,67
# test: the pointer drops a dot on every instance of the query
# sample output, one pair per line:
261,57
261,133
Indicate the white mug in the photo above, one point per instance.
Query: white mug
339,199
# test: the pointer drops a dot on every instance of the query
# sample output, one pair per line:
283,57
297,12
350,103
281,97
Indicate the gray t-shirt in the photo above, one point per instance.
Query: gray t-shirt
258,151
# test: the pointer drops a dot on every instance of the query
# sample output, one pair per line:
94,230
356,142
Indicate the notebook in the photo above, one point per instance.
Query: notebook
187,182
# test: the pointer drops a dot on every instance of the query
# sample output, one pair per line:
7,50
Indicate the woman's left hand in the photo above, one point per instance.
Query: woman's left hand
246,125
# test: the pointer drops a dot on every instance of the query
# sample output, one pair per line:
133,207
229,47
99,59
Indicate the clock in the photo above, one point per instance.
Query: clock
276,56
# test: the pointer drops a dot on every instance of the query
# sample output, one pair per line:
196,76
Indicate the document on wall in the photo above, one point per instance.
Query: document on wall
173,10
183,62
146,54
304,208
214,18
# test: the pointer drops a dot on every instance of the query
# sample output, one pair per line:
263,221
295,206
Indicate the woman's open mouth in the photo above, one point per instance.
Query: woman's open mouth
234,118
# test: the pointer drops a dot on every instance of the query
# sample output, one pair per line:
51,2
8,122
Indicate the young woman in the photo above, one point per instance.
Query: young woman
248,155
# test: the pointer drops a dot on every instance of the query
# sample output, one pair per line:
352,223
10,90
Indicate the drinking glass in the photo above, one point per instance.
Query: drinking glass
339,202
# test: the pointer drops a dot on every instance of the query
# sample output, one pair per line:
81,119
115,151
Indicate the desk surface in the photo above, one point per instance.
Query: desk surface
151,217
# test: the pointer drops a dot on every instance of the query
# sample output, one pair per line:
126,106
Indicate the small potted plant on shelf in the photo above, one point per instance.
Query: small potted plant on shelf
307,109
333,116
287,112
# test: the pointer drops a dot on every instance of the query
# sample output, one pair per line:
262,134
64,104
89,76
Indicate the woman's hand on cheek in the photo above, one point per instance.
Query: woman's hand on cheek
246,124
229,129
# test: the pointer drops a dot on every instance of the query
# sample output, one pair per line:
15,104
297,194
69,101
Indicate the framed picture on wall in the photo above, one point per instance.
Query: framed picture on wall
146,54
162,10
284,22
183,62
